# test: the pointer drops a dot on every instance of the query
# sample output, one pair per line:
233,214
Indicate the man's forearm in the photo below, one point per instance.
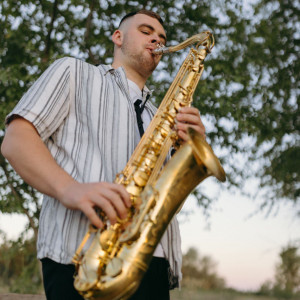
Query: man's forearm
31,159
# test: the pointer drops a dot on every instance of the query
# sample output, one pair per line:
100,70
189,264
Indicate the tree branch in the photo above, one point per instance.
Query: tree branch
88,26
31,222
48,43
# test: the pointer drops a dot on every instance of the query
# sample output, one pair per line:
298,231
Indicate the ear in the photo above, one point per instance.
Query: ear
117,37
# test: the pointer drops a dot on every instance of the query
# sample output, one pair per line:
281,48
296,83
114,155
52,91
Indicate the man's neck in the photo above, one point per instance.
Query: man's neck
132,75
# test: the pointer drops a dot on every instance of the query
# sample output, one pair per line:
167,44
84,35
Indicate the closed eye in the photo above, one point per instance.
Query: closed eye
148,29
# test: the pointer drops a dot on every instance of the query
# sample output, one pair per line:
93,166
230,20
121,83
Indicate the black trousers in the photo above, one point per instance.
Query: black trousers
58,281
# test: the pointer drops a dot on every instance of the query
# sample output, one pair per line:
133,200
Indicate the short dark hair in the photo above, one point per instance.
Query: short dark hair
143,12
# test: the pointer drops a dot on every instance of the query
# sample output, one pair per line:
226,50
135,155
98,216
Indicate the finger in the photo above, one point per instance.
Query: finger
184,127
123,193
91,214
116,201
120,189
190,117
106,206
182,135
189,110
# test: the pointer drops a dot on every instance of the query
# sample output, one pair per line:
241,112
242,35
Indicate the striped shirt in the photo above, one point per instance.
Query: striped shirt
85,116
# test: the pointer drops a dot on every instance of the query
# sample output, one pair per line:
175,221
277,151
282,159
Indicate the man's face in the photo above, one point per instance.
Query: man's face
142,34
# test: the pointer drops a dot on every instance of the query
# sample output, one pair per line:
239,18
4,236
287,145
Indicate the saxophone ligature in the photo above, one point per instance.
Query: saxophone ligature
119,254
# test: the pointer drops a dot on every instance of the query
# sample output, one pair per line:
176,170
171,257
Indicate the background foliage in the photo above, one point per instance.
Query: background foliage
199,271
19,268
286,283
248,95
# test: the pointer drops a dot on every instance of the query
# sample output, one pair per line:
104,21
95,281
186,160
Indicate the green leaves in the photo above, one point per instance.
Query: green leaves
19,269
248,95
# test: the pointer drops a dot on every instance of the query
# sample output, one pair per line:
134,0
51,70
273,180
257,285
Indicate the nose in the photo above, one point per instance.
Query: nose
155,39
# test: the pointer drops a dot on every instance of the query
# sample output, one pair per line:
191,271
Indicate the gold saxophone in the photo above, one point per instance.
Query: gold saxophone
119,254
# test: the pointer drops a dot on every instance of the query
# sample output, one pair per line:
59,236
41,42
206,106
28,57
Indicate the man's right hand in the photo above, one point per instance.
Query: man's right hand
111,198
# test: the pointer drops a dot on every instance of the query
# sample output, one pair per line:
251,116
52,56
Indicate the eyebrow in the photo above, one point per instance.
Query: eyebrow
152,28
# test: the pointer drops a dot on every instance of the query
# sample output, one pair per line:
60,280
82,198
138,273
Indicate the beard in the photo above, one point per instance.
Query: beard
141,61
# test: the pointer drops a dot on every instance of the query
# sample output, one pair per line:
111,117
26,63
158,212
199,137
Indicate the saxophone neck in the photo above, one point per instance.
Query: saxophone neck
204,39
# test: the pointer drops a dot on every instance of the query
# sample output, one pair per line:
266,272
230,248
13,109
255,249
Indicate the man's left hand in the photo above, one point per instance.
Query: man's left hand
189,117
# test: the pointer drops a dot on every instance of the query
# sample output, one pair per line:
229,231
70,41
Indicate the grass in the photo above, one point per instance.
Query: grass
194,294
191,294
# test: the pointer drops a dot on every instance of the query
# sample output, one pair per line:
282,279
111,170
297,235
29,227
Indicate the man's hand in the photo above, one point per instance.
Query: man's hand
112,198
189,117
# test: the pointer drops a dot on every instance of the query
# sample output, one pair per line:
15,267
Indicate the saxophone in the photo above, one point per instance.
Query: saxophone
119,254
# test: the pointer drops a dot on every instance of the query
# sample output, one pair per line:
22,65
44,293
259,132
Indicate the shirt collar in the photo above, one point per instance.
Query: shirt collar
109,69
132,85
136,93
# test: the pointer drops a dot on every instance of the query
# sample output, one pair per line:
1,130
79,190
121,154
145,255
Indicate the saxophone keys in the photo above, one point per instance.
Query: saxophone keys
114,267
140,178
177,105
107,238
134,190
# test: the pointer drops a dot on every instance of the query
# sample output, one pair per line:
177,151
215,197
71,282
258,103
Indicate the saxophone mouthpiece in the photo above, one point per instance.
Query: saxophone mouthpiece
161,50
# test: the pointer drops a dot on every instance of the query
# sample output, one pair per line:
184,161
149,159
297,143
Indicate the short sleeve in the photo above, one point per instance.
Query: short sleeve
47,101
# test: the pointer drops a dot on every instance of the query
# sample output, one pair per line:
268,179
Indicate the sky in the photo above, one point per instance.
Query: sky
245,245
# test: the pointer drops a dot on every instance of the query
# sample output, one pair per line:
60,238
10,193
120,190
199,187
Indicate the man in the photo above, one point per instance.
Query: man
68,137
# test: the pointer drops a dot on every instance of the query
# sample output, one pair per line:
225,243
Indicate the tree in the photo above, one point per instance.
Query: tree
266,289
287,276
248,94
286,283
19,268
200,271
274,113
